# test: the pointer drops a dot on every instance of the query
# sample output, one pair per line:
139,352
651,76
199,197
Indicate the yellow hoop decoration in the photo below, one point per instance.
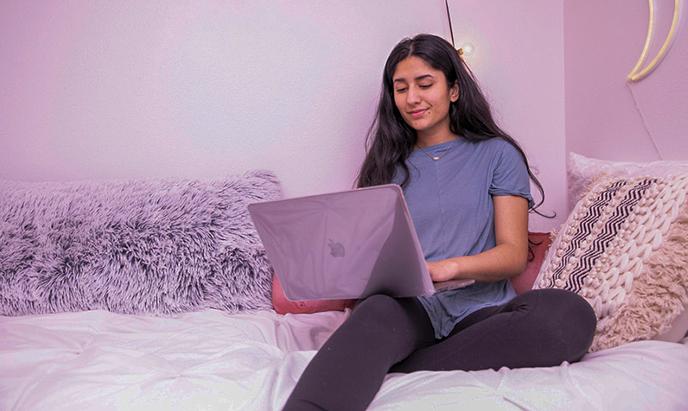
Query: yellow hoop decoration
636,73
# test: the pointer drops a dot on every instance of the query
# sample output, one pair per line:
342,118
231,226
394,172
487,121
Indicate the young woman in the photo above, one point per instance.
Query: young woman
466,183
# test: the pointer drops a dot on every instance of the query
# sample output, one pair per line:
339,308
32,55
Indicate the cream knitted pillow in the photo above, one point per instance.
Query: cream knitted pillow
624,249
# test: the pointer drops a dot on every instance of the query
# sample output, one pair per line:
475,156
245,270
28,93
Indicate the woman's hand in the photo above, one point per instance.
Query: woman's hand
442,270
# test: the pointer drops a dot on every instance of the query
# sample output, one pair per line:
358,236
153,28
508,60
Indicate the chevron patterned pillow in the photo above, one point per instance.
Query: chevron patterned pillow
624,249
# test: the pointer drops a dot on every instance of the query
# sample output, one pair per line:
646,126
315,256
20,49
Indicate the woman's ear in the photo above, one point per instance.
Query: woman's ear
454,92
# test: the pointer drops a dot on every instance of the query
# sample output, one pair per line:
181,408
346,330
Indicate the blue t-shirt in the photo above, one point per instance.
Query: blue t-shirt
450,201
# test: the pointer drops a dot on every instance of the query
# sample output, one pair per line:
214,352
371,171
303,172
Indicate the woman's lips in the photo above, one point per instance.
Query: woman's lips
418,113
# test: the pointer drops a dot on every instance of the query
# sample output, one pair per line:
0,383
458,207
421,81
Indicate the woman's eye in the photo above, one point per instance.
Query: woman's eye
400,90
425,85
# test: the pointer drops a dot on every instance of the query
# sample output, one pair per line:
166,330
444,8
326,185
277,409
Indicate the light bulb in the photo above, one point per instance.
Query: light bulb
467,49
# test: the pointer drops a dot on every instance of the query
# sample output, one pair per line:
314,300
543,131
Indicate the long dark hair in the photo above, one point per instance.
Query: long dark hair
390,140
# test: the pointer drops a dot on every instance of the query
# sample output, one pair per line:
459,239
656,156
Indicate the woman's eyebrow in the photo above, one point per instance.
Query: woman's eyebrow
424,76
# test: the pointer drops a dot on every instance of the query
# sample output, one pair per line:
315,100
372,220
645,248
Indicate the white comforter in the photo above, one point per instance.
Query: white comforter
211,360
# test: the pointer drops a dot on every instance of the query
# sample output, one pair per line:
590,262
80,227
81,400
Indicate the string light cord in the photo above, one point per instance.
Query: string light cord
451,30
644,121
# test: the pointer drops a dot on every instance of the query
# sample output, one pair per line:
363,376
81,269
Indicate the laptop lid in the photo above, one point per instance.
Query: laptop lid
348,244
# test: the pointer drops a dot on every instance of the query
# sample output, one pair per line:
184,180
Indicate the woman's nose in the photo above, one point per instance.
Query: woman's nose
412,96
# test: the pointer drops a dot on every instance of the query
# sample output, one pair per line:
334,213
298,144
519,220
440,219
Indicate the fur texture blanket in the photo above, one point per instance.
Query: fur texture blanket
133,246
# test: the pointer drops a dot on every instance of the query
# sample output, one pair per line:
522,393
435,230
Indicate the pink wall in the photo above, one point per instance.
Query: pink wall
603,40
101,89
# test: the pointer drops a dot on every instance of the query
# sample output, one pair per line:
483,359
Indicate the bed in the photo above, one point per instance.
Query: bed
157,295
212,360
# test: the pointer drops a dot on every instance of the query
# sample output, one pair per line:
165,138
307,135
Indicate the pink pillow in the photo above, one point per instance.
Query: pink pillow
521,283
283,305
524,281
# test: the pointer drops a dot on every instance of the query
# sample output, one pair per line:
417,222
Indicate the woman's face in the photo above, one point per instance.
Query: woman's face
423,97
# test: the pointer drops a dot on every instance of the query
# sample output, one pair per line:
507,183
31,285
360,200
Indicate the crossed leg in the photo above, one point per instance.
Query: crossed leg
540,328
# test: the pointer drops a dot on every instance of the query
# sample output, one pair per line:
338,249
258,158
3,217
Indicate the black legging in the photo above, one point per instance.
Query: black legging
540,328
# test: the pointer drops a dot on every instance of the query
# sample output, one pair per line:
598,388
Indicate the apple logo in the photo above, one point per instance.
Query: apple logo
336,248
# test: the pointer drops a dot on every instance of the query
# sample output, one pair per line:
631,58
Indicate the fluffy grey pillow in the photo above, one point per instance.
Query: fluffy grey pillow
133,246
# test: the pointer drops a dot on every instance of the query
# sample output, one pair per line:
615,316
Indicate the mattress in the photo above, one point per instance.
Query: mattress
212,360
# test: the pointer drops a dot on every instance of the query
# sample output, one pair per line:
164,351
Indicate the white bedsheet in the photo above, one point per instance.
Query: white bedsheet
211,360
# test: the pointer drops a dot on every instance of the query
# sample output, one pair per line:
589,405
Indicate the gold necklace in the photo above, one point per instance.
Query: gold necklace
435,158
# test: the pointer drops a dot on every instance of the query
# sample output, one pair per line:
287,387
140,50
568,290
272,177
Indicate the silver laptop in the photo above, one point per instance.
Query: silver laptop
344,245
